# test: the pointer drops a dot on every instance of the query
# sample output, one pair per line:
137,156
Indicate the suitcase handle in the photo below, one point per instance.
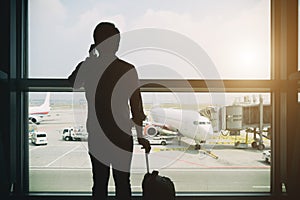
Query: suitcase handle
147,162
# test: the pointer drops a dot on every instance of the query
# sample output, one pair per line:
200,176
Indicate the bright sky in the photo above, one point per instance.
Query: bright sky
235,34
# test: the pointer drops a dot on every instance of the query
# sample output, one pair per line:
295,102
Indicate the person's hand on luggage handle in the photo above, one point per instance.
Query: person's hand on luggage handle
145,143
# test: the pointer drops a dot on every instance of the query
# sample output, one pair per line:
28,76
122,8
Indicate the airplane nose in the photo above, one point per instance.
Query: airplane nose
204,132
210,130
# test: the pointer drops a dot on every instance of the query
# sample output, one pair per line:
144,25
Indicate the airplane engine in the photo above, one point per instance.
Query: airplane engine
150,130
35,120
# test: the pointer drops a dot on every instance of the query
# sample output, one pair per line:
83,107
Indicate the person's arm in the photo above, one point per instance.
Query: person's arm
138,115
72,77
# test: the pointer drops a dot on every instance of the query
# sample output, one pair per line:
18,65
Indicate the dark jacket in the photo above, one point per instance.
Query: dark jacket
111,85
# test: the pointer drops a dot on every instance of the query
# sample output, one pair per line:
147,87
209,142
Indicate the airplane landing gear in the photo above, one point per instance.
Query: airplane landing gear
261,147
258,145
197,146
258,142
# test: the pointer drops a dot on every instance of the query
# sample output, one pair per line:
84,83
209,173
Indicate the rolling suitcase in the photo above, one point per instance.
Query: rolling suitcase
156,187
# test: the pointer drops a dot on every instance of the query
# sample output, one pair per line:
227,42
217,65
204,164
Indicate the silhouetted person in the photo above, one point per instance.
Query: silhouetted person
110,85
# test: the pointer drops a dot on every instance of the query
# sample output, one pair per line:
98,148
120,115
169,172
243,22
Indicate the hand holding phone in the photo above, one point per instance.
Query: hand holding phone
92,50
92,47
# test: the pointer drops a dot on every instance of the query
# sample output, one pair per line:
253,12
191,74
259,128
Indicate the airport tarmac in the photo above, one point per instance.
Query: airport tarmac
64,166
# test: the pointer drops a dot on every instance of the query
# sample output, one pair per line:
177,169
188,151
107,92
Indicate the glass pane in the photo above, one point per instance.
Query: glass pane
205,142
59,161
208,39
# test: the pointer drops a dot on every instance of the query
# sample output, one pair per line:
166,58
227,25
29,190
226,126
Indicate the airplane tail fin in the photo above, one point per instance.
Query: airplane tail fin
46,104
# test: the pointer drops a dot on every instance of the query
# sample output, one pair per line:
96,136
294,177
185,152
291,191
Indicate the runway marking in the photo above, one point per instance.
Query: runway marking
261,186
63,155
142,170
112,187
212,169
157,149
42,168
220,170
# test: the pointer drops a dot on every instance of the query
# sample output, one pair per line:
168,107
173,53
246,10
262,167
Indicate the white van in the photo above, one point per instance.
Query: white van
39,138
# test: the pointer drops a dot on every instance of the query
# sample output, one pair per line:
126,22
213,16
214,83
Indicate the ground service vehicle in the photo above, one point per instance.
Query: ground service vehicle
74,133
38,138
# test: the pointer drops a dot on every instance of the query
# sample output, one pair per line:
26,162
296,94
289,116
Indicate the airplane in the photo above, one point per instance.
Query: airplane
187,123
36,113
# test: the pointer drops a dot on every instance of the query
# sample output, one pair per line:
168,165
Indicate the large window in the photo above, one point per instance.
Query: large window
230,153
225,61
234,36
197,40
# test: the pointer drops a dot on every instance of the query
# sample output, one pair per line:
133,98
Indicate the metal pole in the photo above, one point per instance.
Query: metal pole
261,118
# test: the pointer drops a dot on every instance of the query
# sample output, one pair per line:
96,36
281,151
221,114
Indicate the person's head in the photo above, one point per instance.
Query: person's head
103,31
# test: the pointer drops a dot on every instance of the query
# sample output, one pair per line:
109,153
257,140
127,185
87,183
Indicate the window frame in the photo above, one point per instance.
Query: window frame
282,86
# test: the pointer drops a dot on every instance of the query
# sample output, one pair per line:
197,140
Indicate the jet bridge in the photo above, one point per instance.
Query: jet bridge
253,118
245,116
